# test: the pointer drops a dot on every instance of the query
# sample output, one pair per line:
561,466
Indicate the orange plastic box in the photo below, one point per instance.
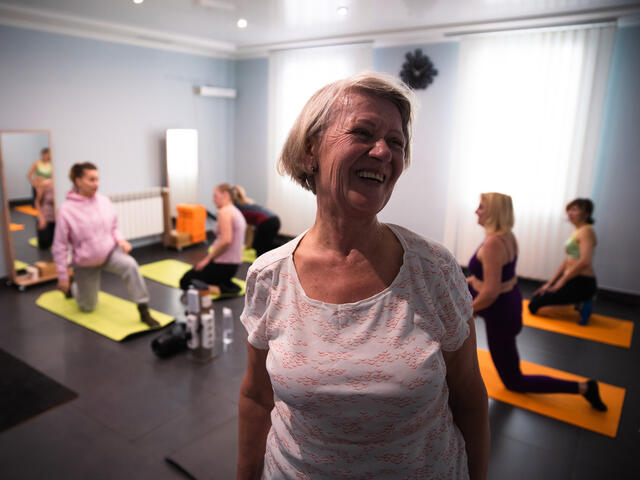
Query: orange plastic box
192,219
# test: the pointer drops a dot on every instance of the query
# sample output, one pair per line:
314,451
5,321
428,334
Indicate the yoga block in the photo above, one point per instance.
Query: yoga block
45,268
179,239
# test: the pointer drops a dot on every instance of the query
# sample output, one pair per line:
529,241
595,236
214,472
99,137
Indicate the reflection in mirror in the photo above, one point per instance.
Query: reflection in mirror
28,170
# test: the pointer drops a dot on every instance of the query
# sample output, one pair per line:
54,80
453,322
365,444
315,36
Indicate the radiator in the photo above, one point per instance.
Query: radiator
141,214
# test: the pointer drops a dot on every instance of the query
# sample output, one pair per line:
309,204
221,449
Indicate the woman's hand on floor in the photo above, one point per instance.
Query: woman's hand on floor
63,286
542,290
201,264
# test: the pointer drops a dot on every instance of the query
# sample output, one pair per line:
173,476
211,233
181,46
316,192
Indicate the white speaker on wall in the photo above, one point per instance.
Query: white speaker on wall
209,91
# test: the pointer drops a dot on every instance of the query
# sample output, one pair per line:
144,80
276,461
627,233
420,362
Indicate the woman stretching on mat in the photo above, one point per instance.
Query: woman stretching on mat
222,262
575,280
264,220
497,298
88,226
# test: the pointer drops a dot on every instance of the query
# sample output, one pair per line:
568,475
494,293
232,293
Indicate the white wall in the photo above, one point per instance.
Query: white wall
419,199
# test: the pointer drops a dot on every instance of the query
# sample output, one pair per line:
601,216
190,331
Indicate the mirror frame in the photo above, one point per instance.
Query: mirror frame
5,219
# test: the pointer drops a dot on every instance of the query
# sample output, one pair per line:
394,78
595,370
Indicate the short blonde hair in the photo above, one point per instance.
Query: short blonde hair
500,218
316,116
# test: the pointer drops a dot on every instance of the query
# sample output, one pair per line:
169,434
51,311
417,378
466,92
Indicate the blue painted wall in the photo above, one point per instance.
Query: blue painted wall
111,104
617,191
251,127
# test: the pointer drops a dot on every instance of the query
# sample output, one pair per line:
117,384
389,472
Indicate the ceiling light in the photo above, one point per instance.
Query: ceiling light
138,2
242,23
342,11
217,4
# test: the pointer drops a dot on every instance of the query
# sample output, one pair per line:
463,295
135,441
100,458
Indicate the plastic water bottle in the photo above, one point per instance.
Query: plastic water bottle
192,329
208,330
227,326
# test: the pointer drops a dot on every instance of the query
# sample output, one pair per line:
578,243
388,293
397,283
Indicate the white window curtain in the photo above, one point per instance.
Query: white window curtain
527,124
294,75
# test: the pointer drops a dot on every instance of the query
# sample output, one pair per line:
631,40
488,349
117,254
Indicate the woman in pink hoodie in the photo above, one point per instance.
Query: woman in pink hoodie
87,225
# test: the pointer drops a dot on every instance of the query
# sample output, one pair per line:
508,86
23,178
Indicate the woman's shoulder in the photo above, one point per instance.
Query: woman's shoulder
235,210
228,209
585,232
494,242
104,201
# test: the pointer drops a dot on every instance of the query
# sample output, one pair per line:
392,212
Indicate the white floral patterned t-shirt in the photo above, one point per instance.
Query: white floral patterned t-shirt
359,388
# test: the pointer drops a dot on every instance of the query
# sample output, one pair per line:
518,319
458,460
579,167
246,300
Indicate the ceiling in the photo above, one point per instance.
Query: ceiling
209,26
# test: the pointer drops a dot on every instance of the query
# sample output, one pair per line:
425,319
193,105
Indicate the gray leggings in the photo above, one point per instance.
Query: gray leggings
87,280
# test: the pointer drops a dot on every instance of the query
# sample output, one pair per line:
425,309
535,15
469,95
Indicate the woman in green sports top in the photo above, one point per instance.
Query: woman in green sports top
575,279
40,170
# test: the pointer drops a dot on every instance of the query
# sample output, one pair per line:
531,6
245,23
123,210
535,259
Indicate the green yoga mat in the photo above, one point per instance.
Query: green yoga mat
19,264
169,272
113,317
33,241
249,255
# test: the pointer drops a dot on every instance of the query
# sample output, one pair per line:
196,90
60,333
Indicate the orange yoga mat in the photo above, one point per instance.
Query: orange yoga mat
28,209
14,227
612,331
569,408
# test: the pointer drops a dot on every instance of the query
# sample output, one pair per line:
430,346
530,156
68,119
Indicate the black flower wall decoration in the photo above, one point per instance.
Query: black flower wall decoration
418,70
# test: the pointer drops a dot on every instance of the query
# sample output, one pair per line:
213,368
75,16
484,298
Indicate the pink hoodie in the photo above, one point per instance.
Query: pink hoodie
87,226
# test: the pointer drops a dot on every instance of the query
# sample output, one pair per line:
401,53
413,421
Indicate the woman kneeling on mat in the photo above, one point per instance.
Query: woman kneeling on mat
221,264
575,280
497,298
264,220
88,226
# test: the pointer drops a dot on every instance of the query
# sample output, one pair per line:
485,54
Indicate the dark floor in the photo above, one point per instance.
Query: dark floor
134,409
21,248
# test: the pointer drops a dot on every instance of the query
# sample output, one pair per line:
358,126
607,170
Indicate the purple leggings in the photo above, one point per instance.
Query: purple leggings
503,322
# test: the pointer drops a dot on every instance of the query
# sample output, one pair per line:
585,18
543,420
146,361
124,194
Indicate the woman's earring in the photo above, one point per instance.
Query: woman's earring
314,169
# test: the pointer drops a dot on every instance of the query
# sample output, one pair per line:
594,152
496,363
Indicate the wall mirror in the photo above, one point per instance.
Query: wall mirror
26,164
182,166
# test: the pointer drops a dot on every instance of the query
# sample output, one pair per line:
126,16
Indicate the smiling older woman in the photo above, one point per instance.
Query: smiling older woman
361,348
